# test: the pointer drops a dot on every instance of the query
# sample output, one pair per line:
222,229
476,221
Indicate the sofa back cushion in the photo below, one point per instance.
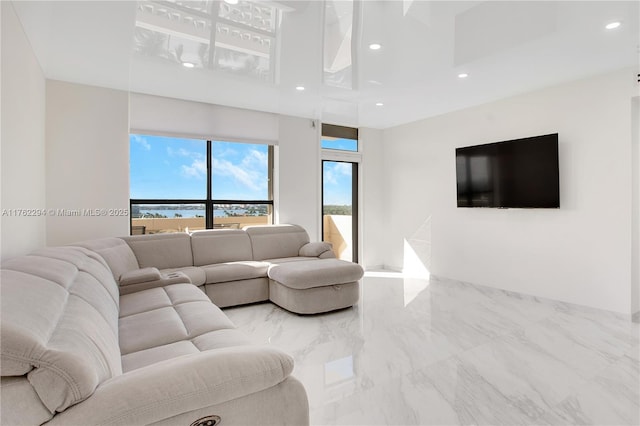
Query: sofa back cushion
162,251
276,241
59,323
116,252
219,246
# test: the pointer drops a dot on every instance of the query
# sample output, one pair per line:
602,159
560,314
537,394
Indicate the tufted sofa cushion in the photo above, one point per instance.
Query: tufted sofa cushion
163,323
60,323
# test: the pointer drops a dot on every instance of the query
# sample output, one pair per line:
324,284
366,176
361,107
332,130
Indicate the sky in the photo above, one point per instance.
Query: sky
336,176
176,168
336,181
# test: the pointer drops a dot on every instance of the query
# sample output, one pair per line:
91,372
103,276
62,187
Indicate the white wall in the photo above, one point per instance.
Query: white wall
23,140
87,130
372,205
580,253
297,170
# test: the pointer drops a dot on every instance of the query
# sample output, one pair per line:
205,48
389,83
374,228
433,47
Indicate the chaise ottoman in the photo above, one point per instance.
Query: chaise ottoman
314,286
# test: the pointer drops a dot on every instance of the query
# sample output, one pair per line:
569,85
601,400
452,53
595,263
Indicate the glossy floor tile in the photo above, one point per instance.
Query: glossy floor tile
440,352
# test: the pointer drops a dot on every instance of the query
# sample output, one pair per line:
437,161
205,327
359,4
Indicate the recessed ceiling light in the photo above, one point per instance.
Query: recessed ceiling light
379,104
375,46
463,75
612,25
188,64
231,1
299,88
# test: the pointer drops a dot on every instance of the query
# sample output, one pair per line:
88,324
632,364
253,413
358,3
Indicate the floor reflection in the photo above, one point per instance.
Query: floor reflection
428,351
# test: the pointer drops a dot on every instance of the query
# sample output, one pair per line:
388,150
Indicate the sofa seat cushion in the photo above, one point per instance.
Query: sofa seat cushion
315,273
166,322
235,271
195,274
164,315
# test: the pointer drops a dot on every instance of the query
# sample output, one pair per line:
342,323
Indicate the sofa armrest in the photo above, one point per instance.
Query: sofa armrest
316,249
150,279
140,276
180,385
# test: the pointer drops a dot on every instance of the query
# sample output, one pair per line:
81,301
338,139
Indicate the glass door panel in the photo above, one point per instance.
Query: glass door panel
340,208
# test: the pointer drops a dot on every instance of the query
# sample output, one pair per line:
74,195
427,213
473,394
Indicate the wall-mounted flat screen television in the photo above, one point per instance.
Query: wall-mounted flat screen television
520,173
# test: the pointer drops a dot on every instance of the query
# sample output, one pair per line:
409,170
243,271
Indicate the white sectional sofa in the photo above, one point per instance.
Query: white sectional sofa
236,267
119,331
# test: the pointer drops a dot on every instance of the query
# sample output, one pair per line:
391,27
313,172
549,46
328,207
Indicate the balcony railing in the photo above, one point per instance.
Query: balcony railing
154,225
337,231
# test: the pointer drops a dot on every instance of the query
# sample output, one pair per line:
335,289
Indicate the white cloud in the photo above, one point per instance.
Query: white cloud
343,168
333,173
226,152
247,176
329,177
197,169
182,153
142,141
255,159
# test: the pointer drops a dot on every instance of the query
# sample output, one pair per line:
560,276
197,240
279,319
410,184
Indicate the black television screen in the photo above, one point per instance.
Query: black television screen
520,173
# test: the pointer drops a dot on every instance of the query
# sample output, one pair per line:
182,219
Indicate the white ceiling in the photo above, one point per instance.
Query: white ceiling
506,47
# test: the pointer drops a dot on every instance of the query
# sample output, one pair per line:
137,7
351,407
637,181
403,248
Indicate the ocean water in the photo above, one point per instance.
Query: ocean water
184,213
190,213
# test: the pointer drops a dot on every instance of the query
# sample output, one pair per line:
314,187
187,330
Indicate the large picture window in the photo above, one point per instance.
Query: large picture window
182,185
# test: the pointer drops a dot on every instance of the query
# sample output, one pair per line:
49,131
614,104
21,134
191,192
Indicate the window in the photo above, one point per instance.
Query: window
339,138
182,185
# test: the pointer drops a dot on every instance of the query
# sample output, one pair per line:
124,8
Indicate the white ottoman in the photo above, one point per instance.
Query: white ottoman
314,286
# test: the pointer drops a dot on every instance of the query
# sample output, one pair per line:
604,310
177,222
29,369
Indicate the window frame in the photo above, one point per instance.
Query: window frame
339,132
344,156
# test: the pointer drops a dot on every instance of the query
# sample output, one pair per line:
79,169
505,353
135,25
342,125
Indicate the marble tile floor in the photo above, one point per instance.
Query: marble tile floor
440,352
